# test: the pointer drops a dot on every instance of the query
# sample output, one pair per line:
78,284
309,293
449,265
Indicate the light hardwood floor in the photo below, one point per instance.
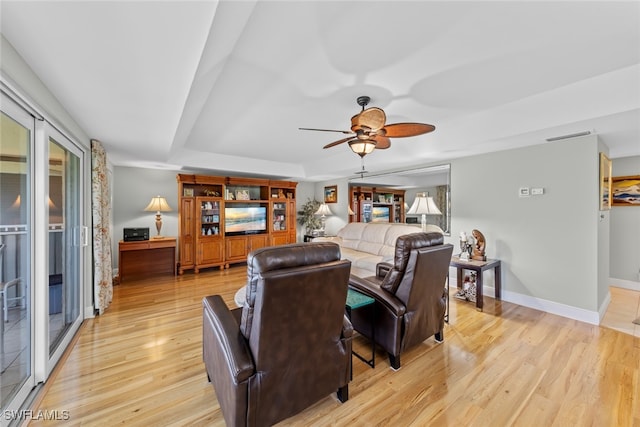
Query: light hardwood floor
140,364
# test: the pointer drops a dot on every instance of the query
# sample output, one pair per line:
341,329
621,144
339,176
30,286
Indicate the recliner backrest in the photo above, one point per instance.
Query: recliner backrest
404,245
281,257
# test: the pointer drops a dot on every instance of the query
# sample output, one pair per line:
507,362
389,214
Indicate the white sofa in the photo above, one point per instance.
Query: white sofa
367,244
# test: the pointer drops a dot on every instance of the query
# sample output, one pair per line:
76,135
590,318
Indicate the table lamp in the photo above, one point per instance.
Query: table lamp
158,204
423,205
324,211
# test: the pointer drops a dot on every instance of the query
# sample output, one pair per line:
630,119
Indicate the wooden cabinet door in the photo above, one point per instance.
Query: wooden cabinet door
280,239
187,230
210,251
258,241
237,248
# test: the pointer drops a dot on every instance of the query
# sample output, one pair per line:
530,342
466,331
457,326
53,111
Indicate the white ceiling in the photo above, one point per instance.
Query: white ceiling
224,86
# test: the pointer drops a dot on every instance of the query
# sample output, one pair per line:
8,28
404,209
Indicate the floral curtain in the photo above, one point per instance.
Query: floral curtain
442,203
101,217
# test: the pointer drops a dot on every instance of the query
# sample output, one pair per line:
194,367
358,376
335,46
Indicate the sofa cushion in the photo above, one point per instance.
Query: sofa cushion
367,244
362,260
351,234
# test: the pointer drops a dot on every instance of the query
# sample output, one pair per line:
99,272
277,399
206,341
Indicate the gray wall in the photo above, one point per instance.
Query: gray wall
625,232
547,244
340,209
133,189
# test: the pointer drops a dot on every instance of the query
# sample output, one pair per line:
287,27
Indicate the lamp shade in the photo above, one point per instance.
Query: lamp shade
324,210
351,212
423,205
158,204
362,148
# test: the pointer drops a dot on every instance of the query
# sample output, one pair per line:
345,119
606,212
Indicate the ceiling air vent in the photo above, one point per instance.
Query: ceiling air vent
571,135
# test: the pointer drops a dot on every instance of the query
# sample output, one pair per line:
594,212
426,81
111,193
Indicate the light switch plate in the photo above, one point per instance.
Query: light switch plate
537,191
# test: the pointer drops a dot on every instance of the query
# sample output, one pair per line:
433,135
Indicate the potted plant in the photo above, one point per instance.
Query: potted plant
307,217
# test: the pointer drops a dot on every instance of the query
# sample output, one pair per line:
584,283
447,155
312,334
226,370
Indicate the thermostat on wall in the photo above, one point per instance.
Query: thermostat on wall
524,192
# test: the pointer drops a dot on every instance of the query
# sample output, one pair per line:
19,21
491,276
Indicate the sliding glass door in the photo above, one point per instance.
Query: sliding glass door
42,249
16,266
66,237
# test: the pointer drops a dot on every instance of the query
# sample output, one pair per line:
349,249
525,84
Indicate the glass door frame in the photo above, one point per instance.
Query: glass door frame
44,361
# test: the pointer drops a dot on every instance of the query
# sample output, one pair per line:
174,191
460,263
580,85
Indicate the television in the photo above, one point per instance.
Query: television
380,214
245,220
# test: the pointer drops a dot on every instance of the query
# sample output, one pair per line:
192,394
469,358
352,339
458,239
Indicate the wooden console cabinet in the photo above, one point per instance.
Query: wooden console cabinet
207,235
146,257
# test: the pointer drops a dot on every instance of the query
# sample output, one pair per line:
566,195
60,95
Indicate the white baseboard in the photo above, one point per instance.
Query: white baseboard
552,307
564,310
604,306
625,284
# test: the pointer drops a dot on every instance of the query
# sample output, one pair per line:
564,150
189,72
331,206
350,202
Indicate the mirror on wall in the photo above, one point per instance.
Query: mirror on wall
435,181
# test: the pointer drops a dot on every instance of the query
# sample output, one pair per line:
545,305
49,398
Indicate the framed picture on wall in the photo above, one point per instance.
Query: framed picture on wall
331,194
625,190
605,182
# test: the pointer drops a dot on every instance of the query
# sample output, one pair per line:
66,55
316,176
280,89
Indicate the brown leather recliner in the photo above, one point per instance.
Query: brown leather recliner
410,294
290,345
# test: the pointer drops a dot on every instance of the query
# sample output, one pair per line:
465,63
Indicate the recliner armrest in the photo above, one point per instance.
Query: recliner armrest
228,338
383,296
382,268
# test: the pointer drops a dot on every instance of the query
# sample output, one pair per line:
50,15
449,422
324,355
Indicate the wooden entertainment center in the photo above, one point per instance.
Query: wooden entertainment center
222,219
376,204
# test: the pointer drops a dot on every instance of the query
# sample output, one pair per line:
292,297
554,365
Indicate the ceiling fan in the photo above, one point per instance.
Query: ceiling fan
369,131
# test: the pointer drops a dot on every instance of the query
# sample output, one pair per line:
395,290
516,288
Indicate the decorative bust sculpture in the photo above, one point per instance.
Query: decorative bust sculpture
478,252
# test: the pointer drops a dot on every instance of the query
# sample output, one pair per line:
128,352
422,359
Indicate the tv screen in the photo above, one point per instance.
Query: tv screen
245,219
380,214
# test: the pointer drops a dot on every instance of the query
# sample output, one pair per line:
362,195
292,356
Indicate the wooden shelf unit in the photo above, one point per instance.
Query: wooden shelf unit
377,204
203,240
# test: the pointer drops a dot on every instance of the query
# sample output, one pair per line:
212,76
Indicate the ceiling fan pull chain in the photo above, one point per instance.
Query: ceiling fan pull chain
362,169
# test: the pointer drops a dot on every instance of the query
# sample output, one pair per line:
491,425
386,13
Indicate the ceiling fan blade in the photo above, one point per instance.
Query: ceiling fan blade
340,141
382,142
401,130
347,132
372,118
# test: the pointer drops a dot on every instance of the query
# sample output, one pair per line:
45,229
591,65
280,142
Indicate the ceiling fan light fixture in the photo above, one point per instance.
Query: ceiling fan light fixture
370,131
362,148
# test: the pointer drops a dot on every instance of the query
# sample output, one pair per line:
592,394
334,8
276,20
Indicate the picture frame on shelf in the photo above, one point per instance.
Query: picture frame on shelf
605,182
187,192
625,190
242,195
331,194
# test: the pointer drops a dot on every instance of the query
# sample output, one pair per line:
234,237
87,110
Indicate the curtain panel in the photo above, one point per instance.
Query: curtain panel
101,216
442,202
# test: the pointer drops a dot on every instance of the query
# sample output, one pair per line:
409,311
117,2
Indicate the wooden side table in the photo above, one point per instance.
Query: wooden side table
147,257
479,267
